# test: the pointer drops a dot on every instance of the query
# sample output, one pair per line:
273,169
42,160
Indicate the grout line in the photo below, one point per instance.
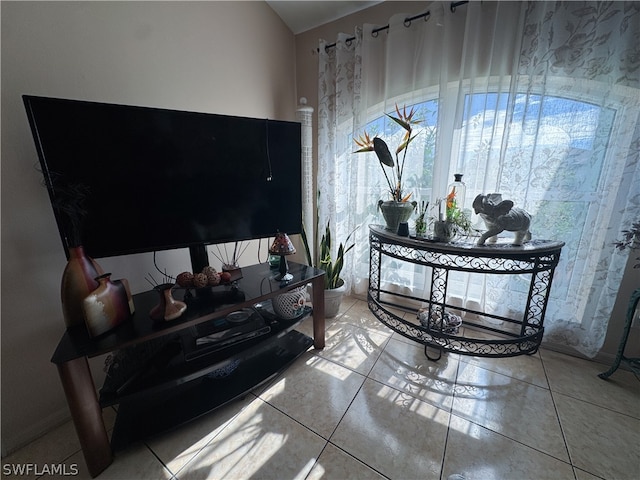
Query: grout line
357,459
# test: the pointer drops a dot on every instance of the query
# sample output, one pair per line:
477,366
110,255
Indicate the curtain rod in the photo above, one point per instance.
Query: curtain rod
407,22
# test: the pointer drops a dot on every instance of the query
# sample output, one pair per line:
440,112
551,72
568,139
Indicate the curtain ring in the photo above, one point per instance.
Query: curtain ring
374,33
453,5
348,41
427,16
407,22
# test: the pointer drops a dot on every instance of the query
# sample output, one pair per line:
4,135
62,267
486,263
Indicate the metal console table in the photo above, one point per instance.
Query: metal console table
537,258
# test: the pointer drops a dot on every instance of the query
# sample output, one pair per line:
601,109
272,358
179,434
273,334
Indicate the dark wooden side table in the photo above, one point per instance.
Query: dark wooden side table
161,399
537,259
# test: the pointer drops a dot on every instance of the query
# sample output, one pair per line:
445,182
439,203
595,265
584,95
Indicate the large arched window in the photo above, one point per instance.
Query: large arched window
537,101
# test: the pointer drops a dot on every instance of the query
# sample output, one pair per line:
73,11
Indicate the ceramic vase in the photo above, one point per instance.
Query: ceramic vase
395,213
78,281
108,305
168,308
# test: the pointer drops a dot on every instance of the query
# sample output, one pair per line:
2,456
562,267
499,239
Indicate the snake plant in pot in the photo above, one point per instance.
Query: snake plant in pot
333,284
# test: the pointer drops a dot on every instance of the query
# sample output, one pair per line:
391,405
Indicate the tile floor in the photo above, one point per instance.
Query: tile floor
371,406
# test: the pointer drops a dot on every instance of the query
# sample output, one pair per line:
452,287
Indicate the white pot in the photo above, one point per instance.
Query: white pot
332,301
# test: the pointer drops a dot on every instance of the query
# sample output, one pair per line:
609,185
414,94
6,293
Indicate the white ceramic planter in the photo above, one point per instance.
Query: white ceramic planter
332,300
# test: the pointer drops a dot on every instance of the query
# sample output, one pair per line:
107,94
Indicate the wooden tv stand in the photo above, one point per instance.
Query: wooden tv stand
195,386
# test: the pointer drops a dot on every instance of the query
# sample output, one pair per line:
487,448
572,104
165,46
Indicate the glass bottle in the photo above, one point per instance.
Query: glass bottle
455,197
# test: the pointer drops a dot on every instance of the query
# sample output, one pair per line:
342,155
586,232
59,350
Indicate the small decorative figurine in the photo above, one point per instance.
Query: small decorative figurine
500,215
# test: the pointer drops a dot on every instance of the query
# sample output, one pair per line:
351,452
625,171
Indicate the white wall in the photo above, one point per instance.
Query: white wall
223,57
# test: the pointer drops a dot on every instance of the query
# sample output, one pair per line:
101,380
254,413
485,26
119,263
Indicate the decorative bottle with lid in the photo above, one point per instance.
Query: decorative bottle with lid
455,197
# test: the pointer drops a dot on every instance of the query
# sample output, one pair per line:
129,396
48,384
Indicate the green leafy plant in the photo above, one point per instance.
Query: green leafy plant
421,221
325,261
453,215
631,240
379,146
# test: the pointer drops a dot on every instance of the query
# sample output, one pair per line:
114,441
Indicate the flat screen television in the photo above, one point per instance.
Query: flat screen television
150,179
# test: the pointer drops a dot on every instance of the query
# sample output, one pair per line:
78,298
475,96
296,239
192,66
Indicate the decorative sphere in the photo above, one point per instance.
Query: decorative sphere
185,279
213,279
200,280
208,270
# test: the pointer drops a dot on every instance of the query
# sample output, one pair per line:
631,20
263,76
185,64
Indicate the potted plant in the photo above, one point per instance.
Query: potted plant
631,240
398,209
453,223
80,274
334,287
421,221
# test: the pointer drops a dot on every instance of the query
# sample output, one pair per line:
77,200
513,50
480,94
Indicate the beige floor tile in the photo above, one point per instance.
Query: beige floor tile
393,432
527,368
56,447
315,392
137,462
338,465
261,442
511,407
405,367
347,303
600,441
478,453
178,447
359,315
353,347
503,419
582,475
578,378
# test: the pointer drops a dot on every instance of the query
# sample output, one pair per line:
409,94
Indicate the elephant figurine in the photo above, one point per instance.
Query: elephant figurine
500,215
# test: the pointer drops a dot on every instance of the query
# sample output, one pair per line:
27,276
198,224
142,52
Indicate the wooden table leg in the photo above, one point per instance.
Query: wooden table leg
318,312
86,413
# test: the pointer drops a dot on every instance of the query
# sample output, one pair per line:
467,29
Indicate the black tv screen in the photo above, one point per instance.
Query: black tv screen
156,179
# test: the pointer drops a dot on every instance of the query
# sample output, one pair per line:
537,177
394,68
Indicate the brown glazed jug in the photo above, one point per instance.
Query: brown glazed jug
168,308
107,306
78,281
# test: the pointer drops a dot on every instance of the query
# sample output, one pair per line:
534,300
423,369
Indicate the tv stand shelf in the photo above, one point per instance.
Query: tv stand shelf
190,387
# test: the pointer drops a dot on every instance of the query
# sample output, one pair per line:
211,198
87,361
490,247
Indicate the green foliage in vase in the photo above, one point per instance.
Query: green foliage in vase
421,222
461,221
453,215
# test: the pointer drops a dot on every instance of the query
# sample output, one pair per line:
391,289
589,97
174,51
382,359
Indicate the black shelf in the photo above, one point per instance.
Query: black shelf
256,284
155,376
142,417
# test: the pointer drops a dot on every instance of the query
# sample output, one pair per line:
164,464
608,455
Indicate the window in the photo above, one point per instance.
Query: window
546,153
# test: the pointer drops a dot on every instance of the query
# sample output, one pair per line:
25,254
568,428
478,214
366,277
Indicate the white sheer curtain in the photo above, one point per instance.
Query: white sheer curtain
539,101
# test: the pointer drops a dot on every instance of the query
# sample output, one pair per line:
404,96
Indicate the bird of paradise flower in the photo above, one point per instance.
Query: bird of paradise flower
379,146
